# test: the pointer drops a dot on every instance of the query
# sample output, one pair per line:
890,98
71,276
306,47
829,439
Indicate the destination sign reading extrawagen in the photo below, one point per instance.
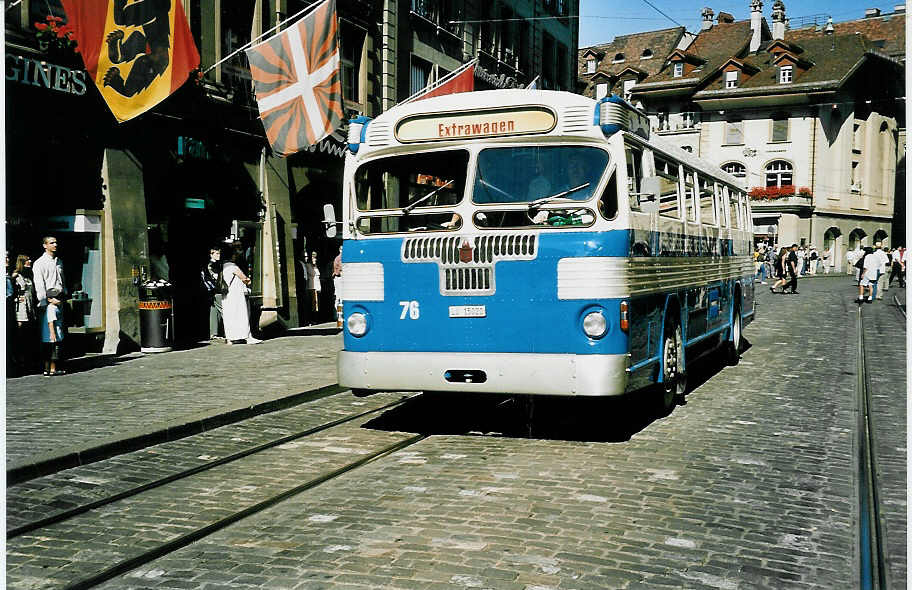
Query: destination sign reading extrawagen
475,124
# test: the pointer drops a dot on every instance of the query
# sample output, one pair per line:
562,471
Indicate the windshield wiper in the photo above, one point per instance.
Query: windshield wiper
543,200
510,197
408,208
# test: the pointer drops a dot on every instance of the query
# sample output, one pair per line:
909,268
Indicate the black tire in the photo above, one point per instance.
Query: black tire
363,392
733,345
674,381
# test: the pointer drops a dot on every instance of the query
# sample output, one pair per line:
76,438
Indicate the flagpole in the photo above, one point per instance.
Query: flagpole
255,41
441,81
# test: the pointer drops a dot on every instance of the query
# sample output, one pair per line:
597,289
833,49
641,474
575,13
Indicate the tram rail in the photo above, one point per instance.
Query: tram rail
82,509
124,566
872,563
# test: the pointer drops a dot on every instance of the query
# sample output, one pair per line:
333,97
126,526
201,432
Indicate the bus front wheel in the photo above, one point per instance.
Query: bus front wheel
674,381
733,345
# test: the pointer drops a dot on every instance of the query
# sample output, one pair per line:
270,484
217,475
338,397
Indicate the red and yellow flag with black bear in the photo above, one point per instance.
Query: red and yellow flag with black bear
136,51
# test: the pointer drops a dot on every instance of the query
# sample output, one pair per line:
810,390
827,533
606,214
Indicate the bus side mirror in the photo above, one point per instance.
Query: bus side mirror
329,220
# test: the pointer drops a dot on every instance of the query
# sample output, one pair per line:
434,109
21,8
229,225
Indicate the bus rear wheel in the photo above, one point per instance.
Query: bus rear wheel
674,381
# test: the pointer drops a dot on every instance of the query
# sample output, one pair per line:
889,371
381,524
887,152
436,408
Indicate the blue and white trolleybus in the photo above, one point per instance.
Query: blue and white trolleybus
536,242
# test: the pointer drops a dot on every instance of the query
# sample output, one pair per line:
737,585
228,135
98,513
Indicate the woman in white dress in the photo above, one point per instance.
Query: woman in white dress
235,313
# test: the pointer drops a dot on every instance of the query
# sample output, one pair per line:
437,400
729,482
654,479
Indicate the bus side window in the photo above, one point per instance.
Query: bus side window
667,173
707,202
721,200
689,195
734,205
608,203
634,176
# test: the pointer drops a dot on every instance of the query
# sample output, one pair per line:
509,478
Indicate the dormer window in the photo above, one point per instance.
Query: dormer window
628,88
785,74
618,58
647,53
678,69
731,79
590,65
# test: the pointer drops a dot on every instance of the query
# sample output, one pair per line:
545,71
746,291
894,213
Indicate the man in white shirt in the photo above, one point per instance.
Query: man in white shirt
868,276
48,273
883,260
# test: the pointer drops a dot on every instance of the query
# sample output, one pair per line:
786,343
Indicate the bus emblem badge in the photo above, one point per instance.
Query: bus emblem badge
465,252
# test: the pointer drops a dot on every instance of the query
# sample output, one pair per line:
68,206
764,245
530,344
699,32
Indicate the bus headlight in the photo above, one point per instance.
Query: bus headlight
594,324
357,324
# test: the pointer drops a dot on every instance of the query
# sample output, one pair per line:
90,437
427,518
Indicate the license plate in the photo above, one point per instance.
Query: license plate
467,311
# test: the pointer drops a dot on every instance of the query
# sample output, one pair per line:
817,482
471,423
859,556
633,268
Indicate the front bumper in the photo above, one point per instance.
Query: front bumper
511,373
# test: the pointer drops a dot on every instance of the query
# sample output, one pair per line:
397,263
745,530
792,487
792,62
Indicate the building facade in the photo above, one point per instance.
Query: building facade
812,118
148,197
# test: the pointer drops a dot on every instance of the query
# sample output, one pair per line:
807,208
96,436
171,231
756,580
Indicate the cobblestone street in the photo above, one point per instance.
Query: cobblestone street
749,485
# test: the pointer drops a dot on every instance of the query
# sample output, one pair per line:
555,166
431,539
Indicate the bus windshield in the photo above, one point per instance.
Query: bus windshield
526,174
429,179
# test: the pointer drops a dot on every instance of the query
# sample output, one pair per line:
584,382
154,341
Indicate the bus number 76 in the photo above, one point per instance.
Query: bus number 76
409,308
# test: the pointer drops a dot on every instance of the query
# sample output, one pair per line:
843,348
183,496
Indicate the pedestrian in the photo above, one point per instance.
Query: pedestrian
814,259
337,278
869,267
801,256
209,276
313,284
768,262
779,262
793,269
828,260
897,268
47,273
10,313
883,260
235,312
852,258
26,314
52,334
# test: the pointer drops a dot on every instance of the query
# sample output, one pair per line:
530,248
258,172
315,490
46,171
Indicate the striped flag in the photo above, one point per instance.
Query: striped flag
297,82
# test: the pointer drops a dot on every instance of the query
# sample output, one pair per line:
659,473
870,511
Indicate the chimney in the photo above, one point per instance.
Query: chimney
724,17
707,14
756,7
899,8
872,13
779,20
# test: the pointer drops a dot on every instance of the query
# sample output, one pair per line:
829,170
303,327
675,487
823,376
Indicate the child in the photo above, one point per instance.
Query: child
52,336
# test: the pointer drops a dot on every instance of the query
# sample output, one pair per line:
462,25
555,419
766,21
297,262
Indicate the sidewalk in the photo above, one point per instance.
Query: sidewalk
109,405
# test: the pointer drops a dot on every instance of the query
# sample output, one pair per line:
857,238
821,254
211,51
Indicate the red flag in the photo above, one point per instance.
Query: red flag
463,81
136,53
297,82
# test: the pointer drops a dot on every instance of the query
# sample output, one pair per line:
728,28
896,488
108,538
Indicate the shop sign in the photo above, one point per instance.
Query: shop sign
496,80
32,72
194,203
476,124
192,148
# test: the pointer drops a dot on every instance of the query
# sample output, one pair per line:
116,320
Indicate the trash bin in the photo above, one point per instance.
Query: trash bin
156,317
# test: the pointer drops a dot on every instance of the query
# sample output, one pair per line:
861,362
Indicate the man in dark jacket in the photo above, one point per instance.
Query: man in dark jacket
791,265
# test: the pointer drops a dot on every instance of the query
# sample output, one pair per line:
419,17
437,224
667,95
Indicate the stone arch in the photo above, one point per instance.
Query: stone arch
831,244
879,236
857,238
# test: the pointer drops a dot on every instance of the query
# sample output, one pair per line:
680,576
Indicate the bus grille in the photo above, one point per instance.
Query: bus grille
466,263
577,119
378,134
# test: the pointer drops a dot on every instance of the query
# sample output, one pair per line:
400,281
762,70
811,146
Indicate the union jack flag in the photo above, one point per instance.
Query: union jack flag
297,83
